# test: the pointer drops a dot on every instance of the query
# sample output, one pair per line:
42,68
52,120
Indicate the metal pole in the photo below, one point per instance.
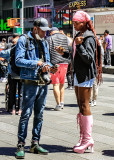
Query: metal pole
22,17
52,8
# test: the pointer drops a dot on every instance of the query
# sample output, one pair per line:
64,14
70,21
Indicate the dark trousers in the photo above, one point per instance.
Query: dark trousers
69,76
15,91
107,57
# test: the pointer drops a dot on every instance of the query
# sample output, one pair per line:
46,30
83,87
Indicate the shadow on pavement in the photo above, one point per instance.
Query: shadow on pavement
65,105
71,105
2,94
7,151
49,109
109,153
108,114
53,148
57,148
3,111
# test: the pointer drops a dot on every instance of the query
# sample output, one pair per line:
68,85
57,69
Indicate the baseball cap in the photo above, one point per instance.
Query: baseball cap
54,29
42,23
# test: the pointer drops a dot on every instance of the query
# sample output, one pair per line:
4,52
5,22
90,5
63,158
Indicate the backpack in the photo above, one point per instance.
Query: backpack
16,70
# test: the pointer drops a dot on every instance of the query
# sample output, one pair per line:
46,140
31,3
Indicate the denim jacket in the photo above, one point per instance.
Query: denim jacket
27,58
6,54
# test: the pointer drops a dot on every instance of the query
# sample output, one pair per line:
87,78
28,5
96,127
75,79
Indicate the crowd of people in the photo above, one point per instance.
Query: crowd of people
33,56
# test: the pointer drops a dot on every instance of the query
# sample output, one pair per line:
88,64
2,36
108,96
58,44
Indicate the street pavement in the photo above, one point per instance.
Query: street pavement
59,132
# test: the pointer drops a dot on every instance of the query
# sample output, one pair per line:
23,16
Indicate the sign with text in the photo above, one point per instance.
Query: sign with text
103,22
77,4
3,26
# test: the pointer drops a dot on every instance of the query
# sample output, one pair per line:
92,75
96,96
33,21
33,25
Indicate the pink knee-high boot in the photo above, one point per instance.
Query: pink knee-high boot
79,115
87,123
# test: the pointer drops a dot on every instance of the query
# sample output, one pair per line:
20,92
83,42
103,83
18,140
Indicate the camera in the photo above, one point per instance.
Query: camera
45,77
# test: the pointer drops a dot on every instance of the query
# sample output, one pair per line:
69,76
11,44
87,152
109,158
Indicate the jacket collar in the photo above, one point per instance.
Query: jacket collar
88,33
30,35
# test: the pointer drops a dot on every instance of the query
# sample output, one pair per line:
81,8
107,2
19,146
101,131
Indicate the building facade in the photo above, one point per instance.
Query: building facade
7,9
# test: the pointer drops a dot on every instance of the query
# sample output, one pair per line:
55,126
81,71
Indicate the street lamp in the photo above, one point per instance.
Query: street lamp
22,16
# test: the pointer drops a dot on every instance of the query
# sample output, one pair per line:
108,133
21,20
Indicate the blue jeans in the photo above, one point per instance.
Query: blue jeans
33,96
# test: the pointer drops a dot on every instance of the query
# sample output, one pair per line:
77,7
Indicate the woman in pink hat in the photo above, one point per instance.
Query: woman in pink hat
85,67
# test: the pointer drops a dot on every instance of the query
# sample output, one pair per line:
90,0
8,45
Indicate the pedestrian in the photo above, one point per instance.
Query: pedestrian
85,71
102,49
95,87
69,75
14,85
34,93
58,79
108,47
3,44
94,93
3,69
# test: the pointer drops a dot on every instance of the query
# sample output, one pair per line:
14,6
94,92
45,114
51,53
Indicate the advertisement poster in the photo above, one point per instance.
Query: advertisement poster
81,4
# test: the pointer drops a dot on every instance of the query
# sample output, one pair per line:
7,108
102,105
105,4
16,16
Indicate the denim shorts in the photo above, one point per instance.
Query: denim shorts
83,84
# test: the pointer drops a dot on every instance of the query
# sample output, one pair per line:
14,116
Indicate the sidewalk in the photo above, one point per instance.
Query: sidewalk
59,133
108,70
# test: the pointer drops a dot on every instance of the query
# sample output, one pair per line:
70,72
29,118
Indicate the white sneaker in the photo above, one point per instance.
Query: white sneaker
94,102
3,80
62,105
58,108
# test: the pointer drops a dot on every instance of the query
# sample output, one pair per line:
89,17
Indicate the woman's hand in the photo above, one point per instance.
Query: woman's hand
60,50
79,40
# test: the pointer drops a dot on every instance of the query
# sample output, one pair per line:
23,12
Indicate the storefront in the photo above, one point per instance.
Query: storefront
5,31
64,10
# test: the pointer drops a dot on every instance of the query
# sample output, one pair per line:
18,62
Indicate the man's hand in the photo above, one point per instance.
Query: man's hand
39,63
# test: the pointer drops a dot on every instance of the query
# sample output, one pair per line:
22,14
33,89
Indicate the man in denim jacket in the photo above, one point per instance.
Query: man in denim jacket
29,60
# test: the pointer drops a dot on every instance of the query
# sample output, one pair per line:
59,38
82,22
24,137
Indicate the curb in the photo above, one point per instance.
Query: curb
108,70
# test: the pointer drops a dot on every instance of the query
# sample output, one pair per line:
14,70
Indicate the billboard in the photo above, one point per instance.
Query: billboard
103,22
74,4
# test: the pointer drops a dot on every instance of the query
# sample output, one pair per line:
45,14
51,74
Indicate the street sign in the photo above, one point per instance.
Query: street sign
17,4
17,30
12,22
17,24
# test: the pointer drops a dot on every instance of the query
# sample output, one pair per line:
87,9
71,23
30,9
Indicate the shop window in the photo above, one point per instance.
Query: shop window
29,12
7,13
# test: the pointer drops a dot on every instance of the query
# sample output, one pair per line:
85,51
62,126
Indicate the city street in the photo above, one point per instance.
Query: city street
59,132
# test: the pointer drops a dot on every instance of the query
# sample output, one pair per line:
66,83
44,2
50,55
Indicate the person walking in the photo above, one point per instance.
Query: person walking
58,79
34,94
14,84
85,71
94,94
102,49
108,47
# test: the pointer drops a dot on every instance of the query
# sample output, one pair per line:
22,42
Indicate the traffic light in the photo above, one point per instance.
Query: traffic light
17,4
